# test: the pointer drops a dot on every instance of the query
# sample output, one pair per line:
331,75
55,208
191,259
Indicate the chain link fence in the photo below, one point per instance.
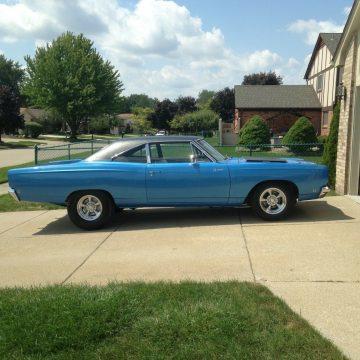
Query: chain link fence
71,151
83,149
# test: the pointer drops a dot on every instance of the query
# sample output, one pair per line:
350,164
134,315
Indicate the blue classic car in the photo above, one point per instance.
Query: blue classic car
168,171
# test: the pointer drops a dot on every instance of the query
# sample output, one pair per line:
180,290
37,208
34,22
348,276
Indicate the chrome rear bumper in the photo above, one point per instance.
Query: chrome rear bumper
13,193
324,191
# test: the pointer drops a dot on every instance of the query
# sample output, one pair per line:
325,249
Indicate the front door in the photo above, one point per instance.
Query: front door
173,179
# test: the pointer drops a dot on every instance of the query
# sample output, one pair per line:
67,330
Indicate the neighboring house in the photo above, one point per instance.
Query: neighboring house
124,123
279,106
322,75
30,114
347,58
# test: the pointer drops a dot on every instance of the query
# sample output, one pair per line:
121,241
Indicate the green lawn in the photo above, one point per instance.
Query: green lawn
19,144
4,170
155,321
7,203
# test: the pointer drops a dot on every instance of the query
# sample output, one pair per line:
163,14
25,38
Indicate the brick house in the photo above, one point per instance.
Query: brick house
347,58
279,106
322,75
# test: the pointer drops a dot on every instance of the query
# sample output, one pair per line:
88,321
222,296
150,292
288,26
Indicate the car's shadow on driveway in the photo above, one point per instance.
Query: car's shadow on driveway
161,218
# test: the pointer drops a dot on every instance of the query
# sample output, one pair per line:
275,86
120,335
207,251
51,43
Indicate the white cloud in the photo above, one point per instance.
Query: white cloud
311,28
158,46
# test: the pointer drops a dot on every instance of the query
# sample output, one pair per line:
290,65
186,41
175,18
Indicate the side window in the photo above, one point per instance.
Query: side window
171,152
200,156
137,155
319,82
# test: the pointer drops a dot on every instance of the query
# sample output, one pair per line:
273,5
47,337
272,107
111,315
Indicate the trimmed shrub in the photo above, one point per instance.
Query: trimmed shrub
322,139
33,129
330,150
254,132
99,125
196,121
51,123
302,132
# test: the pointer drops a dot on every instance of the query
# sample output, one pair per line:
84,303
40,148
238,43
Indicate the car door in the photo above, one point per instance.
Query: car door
173,179
128,184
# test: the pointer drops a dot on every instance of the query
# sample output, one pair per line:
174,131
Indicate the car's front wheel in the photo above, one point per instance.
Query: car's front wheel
90,210
273,201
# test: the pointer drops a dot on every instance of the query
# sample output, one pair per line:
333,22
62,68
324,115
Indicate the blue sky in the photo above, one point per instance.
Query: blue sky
167,48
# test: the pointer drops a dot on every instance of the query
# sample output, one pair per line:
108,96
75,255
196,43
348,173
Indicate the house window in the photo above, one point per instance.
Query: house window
319,82
325,119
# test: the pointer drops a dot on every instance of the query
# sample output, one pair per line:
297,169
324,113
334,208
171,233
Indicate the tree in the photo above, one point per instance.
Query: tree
140,101
10,118
141,120
70,77
255,132
186,104
195,121
262,78
330,150
204,98
11,74
223,103
164,112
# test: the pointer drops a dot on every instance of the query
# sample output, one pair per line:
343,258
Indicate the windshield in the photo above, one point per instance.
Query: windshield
213,152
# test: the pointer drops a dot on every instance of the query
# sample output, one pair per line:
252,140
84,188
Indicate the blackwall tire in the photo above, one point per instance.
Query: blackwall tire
90,210
273,201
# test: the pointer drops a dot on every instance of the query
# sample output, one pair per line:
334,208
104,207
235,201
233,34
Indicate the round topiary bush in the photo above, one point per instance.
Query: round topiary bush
33,129
254,132
302,132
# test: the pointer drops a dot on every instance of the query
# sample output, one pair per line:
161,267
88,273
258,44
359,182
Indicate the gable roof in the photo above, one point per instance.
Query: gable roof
331,41
351,25
276,97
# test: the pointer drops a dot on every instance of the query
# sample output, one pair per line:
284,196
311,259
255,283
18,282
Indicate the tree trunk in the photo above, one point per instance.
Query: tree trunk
74,125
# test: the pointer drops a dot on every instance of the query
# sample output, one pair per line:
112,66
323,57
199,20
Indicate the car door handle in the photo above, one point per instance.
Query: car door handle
153,172
218,169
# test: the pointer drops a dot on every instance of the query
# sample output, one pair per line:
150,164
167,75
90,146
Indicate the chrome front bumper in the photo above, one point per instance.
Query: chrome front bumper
324,191
13,193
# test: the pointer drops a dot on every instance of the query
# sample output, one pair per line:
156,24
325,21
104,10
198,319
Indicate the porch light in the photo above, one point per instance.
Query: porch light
341,91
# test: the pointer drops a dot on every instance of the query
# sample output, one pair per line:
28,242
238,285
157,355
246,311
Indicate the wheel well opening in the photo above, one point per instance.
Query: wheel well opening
290,184
89,190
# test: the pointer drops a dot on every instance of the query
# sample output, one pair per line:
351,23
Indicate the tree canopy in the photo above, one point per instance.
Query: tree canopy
163,113
263,78
204,98
10,118
223,103
185,104
70,77
11,74
195,121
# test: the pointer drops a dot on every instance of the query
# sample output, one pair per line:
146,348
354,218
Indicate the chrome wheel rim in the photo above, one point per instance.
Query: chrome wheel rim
89,207
273,201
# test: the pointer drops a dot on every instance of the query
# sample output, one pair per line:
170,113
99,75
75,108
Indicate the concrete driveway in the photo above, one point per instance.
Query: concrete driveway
311,260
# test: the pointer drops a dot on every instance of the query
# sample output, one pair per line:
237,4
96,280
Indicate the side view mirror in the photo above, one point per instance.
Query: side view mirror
193,159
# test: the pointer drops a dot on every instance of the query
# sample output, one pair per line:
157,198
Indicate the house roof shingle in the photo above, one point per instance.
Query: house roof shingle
331,41
276,97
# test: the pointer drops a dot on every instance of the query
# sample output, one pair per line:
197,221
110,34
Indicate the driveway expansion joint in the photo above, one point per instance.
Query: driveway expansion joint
24,222
89,256
246,247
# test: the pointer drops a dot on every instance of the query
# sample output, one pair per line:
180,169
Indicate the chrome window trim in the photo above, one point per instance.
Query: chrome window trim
198,146
191,142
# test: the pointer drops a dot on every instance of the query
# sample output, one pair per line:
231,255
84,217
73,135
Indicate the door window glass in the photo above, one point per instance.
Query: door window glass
171,152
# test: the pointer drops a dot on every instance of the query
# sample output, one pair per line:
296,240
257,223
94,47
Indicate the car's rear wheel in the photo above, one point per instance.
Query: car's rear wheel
273,201
90,210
